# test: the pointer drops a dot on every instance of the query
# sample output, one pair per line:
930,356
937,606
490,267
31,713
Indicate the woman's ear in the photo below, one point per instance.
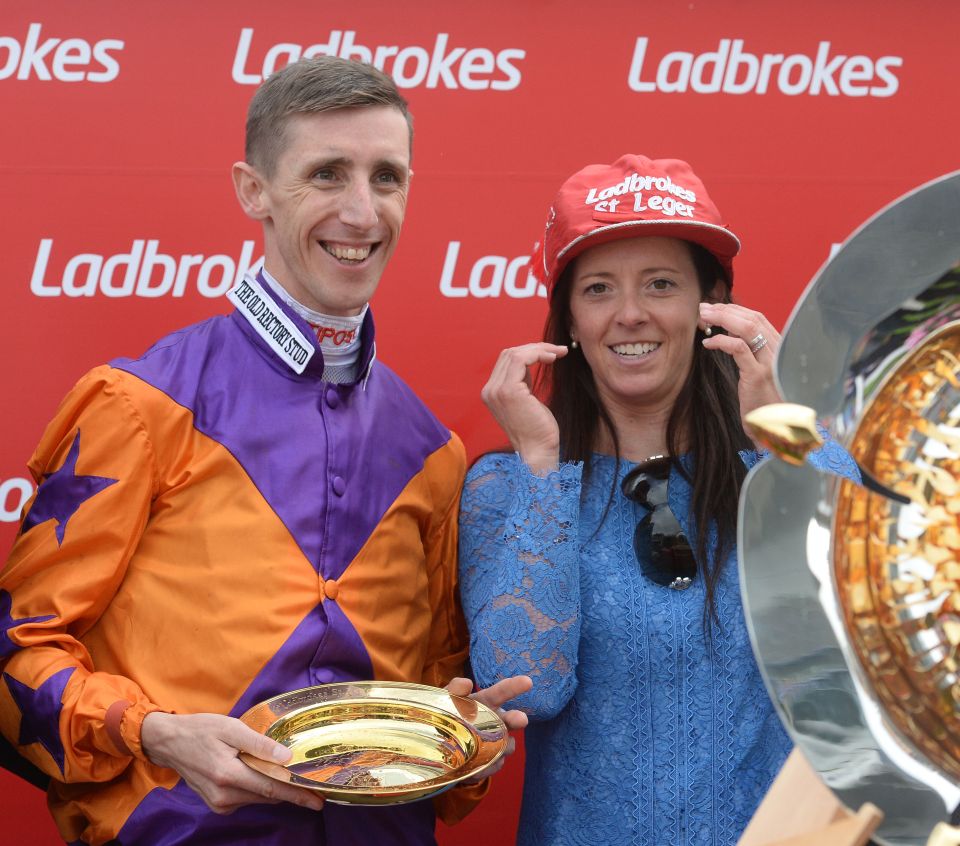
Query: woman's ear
719,293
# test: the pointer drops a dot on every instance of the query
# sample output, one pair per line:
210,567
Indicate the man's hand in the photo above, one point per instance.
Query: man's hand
494,697
203,748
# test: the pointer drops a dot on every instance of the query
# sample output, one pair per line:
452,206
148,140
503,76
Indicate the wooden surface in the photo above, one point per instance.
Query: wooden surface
800,810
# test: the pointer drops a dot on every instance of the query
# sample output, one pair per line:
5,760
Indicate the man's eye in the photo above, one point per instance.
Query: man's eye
389,177
325,173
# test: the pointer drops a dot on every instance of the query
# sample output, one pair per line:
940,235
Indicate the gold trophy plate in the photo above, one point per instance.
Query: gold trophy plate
377,743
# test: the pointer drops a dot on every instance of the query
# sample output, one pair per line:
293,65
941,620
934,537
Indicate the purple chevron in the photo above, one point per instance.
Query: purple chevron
306,446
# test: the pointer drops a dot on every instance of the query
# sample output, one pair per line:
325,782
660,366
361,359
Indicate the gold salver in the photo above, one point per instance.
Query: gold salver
377,743
897,567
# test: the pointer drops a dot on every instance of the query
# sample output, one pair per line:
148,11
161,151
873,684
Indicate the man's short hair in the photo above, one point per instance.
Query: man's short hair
312,85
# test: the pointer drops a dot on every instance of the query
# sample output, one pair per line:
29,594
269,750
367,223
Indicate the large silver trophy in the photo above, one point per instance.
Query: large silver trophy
852,592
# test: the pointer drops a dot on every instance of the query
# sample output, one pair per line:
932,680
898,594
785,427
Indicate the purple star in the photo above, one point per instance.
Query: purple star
40,709
7,646
61,493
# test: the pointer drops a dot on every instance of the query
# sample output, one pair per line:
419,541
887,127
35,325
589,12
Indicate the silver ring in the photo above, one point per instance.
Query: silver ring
758,344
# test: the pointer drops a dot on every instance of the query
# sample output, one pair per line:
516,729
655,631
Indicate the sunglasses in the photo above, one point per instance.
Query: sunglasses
663,551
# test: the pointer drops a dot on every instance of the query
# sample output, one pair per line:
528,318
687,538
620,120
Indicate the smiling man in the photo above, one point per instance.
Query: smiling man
251,507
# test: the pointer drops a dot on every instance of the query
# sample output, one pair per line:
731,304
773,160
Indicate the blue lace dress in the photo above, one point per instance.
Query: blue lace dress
641,732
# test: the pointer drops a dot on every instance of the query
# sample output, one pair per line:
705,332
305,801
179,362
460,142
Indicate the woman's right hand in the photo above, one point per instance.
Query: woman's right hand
527,422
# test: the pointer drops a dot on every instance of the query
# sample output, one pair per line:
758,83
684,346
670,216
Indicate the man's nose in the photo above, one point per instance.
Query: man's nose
358,206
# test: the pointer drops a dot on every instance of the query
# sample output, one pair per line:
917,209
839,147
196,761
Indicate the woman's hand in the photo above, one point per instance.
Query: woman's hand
745,329
527,422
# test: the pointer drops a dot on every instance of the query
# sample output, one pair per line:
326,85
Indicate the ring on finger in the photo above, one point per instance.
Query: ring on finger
758,343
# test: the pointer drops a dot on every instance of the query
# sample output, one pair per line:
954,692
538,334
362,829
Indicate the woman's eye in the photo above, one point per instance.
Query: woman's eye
595,288
662,284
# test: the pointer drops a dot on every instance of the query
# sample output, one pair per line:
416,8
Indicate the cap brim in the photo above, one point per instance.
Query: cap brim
718,240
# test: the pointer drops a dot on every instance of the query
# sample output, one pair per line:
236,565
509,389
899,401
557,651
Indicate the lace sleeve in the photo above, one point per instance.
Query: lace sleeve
519,577
830,458
833,458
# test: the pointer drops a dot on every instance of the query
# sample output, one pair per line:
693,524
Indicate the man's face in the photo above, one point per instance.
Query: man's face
335,203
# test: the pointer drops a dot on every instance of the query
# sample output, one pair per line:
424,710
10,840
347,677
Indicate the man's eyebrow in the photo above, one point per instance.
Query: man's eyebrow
326,161
399,164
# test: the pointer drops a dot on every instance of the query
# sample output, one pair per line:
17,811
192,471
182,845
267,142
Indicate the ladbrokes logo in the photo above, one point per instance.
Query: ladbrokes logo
14,494
144,271
667,203
489,276
64,59
733,70
440,65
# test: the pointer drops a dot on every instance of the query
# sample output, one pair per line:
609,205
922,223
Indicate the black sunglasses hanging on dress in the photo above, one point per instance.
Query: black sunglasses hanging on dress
663,551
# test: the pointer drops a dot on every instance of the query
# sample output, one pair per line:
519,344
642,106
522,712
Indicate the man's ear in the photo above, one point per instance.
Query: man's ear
251,191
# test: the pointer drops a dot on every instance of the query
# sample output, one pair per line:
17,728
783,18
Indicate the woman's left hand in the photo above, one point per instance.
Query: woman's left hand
753,343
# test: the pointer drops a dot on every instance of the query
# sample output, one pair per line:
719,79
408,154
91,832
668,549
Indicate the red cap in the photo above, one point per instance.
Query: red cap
634,196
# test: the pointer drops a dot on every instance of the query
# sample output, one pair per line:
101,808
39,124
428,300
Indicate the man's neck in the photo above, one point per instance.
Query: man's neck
339,337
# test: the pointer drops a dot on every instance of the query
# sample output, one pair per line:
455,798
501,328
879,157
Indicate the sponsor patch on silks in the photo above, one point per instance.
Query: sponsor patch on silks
271,324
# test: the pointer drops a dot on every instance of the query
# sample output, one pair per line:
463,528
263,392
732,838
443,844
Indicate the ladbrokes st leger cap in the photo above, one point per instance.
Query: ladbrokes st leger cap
633,197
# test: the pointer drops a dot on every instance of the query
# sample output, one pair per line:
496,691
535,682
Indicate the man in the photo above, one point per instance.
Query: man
251,507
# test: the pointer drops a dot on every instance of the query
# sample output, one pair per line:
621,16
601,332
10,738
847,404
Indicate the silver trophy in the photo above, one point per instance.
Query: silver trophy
852,592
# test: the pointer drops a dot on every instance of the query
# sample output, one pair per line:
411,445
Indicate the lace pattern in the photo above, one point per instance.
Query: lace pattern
641,731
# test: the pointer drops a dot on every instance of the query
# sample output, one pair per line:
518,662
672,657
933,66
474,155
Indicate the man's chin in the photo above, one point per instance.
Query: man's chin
343,306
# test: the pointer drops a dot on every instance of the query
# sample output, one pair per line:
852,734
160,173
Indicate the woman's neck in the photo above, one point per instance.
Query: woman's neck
641,432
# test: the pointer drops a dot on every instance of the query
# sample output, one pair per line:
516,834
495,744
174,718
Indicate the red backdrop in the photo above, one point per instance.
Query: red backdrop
121,121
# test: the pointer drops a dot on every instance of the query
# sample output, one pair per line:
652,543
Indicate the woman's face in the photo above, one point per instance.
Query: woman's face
634,307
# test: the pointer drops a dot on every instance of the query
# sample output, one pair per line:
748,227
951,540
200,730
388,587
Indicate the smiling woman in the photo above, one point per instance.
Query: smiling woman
600,558
634,308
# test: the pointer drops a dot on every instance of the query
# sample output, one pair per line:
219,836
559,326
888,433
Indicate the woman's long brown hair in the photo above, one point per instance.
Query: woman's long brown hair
704,423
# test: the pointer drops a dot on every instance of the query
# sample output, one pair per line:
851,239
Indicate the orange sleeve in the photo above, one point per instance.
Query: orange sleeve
449,640
97,480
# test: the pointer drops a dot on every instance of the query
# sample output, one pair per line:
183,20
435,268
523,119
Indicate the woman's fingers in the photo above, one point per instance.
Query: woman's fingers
752,327
740,349
527,422
512,366
752,342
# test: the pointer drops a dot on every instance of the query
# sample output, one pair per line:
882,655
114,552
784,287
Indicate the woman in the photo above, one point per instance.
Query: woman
600,558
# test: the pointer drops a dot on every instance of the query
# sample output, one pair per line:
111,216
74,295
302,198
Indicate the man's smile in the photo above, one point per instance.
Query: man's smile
349,253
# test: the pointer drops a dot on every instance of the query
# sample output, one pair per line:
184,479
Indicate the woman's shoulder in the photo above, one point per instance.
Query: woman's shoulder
497,462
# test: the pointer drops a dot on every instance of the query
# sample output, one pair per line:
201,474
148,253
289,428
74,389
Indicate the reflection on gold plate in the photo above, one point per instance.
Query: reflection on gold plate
377,743
898,566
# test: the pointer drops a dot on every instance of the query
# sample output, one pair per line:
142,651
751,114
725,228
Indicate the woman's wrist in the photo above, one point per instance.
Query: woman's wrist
541,462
